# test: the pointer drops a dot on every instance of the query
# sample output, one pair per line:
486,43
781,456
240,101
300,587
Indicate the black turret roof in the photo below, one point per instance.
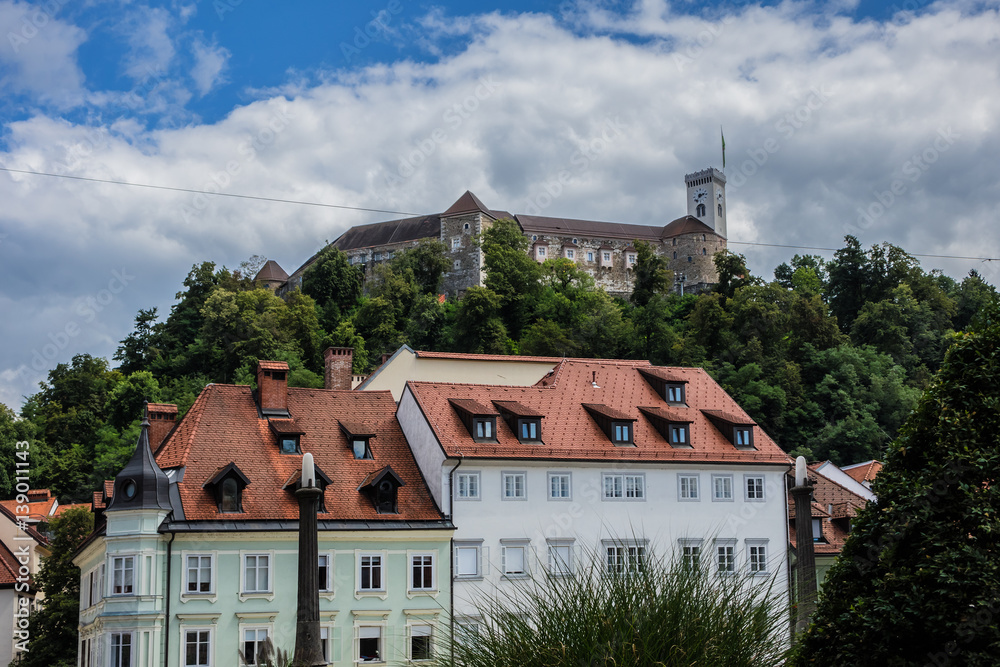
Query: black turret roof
151,484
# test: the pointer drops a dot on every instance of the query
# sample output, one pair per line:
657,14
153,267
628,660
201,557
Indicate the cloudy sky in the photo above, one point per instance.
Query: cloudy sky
869,118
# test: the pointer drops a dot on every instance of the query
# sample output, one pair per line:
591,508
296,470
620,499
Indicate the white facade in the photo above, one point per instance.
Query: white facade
706,198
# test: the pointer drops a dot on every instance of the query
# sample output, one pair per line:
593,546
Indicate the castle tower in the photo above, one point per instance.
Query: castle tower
706,198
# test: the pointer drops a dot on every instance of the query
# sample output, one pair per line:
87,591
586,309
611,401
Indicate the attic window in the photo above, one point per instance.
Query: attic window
617,425
230,500
294,483
525,422
674,425
288,435
675,393
737,430
743,436
360,449
479,419
484,429
529,430
359,438
679,435
227,484
382,489
622,432
290,445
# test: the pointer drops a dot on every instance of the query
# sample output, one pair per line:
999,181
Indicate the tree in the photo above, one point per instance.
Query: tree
428,261
334,284
511,273
136,351
53,627
918,581
733,273
651,274
478,327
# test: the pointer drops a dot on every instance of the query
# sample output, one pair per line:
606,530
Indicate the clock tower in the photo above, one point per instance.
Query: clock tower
706,198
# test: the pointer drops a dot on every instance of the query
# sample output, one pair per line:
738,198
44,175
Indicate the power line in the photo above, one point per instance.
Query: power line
806,247
382,210
205,192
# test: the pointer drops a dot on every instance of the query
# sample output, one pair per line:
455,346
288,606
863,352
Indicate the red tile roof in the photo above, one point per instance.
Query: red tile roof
569,432
486,357
65,508
834,505
272,365
863,472
8,567
223,427
40,505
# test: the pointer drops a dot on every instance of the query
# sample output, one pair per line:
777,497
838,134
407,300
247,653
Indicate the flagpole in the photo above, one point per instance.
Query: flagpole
723,136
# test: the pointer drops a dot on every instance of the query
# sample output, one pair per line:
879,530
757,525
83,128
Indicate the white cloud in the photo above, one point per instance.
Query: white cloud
152,47
210,62
822,116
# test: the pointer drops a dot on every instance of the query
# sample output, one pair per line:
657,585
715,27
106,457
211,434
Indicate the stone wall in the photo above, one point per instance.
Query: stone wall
458,234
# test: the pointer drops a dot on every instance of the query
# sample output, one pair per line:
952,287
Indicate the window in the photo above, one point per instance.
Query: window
97,584
690,259
575,241
722,487
742,436
701,211
514,484
675,393
420,642
324,642
324,572
465,227
360,448
757,556
607,257
468,559
675,254
622,432
422,572
256,573
679,435
720,213
674,242
541,251
199,574
529,430
631,258
197,648
456,243
569,254
590,257
625,558
369,643
122,575
378,257
370,573
691,553
624,487
704,251
726,558
514,558
817,530
703,237
253,641
467,485
560,558
687,487
121,649
559,486
230,496
290,445
754,487
484,429
457,266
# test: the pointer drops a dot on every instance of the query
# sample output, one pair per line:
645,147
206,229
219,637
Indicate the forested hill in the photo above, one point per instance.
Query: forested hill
828,357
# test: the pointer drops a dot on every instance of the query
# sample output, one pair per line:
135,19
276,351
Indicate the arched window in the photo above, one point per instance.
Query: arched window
702,237
674,242
675,254
701,210
704,251
720,209
230,495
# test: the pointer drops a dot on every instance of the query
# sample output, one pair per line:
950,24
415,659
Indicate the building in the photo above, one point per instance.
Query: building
864,473
22,547
195,553
601,459
605,250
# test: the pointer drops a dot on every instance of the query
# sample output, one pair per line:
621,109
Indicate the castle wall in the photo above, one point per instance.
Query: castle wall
458,234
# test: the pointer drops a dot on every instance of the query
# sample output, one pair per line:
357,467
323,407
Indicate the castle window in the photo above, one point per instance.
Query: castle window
570,254
702,237
720,212
378,257
466,227
675,254
590,257
541,251
704,251
458,265
690,259
534,237
701,211
456,243
674,241
574,241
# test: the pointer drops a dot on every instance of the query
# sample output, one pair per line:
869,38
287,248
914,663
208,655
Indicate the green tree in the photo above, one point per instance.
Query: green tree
137,351
733,272
428,262
333,283
511,273
652,276
53,627
12,431
918,581
545,338
478,327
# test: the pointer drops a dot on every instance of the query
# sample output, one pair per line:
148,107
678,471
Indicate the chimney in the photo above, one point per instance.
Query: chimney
162,418
337,367
272,388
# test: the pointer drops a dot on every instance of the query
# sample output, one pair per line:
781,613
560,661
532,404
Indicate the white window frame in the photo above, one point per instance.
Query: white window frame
456,243
629,555
590,255
568,477
211,645
570,254
112,661
359,561
411,556
326,586
482,560
541,250
511,545
244,555
187,573
688,497
134,568
754,498
514,475
729,566
411,632
469,475
757,556
255,627
692,551
557,565
716,479
620,490
358,629
632,258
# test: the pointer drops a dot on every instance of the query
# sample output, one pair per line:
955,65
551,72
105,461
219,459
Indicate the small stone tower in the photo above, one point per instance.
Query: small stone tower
706,198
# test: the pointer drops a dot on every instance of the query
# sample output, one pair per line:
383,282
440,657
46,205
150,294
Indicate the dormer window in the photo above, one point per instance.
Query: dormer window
674,424
228,484
294,483
617,425
359,438
479,419
743,436
288,434
290,445
528,430
485,427
623,432
737,429
382,489
675,393
525,422
679,435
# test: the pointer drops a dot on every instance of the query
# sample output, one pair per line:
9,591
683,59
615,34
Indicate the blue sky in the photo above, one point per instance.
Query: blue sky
877,119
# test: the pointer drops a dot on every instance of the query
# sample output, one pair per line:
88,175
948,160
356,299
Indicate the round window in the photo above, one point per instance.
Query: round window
129,490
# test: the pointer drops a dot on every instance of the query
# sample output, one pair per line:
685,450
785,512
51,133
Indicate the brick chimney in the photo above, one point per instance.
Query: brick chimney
272,387
337,367
162,418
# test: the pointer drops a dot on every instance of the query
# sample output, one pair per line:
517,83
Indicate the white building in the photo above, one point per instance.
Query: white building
617,460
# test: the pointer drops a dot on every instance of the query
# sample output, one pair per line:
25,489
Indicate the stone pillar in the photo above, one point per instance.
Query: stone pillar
308,646
805,565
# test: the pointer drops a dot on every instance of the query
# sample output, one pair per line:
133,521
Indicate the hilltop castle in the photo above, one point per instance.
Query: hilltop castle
605,250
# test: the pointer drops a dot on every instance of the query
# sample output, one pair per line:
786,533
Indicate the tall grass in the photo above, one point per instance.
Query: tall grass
666,614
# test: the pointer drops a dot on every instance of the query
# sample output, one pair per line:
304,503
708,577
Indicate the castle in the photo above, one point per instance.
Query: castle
605,250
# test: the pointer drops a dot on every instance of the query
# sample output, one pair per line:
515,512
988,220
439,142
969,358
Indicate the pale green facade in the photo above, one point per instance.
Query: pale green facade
225,569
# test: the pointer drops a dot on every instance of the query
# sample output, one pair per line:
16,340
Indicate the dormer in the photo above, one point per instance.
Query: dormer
736,429
671,386
525,422
272,388
294,483
382,489
631,257
359,437
673,425
479,419
227,485
288,433
617,425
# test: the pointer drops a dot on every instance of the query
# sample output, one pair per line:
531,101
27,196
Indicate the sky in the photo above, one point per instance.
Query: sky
876,119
